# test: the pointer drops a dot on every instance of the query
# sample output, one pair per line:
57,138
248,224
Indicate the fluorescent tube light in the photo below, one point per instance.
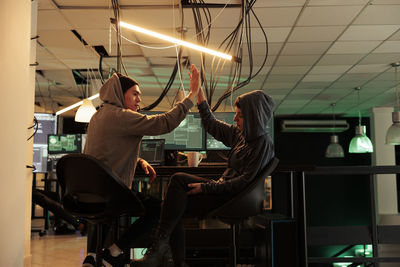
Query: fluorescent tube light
175,41
75,105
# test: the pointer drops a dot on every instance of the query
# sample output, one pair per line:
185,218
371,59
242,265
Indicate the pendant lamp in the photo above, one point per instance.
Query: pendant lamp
393,133
360,142
86,110
334,149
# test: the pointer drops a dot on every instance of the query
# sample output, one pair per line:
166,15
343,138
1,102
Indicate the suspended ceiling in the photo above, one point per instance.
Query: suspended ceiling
319,51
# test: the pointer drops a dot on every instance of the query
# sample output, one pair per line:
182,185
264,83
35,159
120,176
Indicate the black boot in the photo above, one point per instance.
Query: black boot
155,254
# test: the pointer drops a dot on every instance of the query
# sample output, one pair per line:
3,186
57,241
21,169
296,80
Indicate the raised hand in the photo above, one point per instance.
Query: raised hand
194,80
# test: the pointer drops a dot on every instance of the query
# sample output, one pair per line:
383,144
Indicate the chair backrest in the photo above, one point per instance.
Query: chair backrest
248,202
93,191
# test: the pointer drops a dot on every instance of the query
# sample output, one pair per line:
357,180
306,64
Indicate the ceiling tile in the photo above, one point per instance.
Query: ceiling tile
45,4
352,47
388,47
286,78
321,77
297,60
336,69
279,3
349,59
64,44
379,58
368,32
312,85
280,86
396,36
51,20
50,64
259,49
315,34
275,35
337,2
305,48
148,2
276,17
168,61
226,18
88,18
42,53
152,18
82,63
372,68
379,14
290,69
82,3
328,15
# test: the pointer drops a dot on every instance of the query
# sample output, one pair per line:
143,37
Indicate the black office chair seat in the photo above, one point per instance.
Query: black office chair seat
247,203
94,192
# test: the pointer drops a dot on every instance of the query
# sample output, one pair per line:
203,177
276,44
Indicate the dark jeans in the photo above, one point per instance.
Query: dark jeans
136,231
177,205
51,201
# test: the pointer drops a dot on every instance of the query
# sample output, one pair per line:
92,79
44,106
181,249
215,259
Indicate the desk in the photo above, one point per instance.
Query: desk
165,172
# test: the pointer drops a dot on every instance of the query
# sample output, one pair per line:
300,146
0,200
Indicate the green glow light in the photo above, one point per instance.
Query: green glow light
360,143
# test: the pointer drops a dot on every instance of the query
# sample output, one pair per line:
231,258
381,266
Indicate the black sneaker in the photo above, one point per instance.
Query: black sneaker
89,261
111,261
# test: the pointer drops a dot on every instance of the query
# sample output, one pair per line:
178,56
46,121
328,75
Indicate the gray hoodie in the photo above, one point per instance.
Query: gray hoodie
114,132
251,149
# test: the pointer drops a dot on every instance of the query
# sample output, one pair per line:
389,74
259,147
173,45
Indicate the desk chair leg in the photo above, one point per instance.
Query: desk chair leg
234,246
99,260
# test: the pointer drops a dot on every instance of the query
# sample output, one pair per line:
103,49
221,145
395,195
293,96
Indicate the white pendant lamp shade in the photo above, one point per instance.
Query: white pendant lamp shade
393,133
360,143
85,111
334,150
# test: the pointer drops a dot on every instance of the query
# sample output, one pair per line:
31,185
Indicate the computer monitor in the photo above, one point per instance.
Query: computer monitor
64,143
47,124
152,150
211,142
227,117
188,136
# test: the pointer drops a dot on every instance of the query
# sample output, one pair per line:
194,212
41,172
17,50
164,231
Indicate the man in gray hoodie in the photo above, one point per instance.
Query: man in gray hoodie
193,196
114,135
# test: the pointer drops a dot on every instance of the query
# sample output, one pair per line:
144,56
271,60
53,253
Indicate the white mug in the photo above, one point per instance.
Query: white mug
194,158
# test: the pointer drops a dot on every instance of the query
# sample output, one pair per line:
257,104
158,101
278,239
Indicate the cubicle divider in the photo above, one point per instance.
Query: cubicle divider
349,236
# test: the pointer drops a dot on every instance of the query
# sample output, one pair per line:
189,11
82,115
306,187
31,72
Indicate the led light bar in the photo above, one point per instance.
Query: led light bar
175,41
75,105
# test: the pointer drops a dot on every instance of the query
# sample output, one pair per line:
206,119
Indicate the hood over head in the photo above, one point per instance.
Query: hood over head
257,109
111,92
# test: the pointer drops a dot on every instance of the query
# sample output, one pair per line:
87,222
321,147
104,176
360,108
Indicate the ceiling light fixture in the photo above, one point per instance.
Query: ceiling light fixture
393,133
334,149
360,142
85,111
174,40
75,105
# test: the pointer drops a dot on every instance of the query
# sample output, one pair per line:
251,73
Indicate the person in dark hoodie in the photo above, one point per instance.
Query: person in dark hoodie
191,196
114,135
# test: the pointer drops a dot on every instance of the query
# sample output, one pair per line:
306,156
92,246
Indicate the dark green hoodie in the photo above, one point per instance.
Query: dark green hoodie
251,149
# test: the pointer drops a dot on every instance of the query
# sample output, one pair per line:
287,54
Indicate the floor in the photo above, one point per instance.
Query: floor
58,250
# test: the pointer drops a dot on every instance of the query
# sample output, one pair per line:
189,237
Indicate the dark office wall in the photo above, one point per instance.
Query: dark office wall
331,200
70,126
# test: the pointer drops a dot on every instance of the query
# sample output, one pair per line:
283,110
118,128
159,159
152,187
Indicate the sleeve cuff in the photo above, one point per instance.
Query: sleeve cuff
203,105
187,103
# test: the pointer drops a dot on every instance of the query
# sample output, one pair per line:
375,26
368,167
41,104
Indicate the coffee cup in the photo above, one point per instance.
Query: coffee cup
194,158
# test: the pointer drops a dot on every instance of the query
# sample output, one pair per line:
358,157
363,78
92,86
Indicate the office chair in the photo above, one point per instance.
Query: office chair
245,204
94,192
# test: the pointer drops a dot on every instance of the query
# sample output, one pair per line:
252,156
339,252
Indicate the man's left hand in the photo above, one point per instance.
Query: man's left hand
148,169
